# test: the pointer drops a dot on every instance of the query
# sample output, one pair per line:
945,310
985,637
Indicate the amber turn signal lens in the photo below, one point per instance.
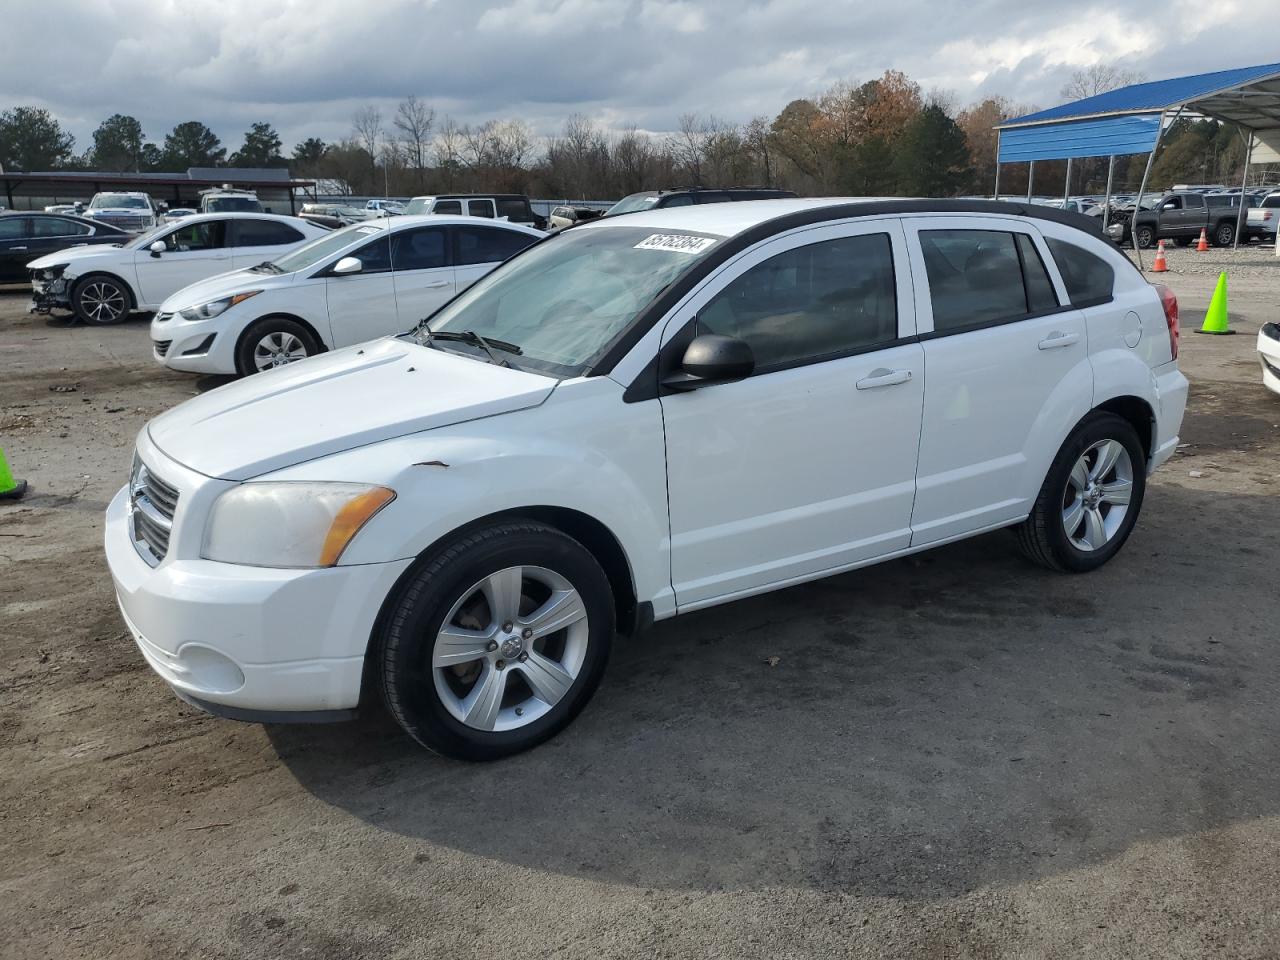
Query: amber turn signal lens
359,511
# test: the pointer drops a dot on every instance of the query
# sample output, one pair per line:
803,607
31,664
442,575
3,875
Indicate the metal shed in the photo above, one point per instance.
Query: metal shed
1132,119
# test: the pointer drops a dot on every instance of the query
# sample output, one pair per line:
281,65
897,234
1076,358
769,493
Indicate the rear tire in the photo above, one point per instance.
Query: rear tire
1224,234
1090,499
273,342
497,642
101,299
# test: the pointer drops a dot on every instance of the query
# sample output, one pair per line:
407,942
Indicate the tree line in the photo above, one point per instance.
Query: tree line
881,137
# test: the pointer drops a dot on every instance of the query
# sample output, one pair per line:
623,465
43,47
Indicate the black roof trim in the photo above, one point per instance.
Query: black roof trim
628,338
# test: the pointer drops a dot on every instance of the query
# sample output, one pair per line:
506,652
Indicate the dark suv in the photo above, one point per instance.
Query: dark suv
687,196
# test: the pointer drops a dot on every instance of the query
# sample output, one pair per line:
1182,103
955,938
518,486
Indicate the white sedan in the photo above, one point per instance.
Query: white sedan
363,281
104,284
1269,355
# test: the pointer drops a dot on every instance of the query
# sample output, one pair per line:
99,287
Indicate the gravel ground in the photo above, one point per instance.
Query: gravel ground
955,755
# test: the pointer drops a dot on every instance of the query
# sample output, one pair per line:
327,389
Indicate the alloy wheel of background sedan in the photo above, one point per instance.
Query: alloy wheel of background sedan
510,649
103,302
276,349
1097,496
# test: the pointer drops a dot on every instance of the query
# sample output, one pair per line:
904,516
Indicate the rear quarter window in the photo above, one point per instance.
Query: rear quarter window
1089,279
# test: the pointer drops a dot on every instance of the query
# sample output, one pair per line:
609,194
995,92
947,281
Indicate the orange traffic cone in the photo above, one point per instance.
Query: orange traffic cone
1159,265
1203,245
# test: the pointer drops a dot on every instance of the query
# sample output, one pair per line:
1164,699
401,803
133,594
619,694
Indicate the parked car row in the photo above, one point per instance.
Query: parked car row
644,415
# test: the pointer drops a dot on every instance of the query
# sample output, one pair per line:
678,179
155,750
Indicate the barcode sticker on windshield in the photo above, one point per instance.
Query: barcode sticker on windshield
675,242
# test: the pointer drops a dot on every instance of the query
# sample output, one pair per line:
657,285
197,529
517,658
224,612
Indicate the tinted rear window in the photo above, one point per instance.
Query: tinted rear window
1089,279
488,244
976,279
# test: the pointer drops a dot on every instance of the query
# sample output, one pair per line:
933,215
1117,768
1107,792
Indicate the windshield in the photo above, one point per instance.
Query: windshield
637,201
563,301
308,256
418,205
103,200
144,240
233,205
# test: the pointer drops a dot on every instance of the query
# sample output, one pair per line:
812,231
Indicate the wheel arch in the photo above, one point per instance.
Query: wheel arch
1138,412
282,315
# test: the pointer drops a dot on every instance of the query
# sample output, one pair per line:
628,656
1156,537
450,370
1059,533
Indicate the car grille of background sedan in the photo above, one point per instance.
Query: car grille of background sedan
152,503
162,347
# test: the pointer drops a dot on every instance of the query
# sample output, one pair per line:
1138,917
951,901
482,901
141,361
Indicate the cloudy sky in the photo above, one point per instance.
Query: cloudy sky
307,65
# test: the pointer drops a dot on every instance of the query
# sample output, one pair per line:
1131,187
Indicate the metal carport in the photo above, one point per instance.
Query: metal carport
1132,120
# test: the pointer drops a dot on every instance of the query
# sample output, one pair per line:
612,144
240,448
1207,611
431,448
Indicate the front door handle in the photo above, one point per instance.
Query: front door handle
434,284
882,377
17,248
1058,339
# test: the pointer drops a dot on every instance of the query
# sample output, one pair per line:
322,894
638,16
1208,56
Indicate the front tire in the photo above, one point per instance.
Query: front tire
273,342
1090,499
1146,237
101,299
497,642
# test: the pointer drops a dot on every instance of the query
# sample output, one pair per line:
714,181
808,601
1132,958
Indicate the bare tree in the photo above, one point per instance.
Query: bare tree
447,148
367,124
1099,78
758,143
689,145
414,119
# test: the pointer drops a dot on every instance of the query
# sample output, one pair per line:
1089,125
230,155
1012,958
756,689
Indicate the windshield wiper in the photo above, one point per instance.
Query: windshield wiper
266,266
470,336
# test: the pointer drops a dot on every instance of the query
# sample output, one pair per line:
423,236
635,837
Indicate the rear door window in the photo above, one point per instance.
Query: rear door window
977,279
447,206
261,233
1088,278
480,208
513,210
487,244
55,227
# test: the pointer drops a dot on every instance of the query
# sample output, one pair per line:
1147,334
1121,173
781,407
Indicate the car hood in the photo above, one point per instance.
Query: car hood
71,254
330,403
223,285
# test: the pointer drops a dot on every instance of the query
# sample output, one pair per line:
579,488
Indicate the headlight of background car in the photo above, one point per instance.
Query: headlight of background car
207,311
290,524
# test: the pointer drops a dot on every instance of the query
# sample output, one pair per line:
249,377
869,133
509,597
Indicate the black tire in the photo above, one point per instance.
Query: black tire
404,650
101,299
1224,234
1146,237
1042,537
259,330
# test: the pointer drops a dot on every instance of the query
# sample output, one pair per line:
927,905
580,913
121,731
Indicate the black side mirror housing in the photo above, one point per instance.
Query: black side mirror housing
712,358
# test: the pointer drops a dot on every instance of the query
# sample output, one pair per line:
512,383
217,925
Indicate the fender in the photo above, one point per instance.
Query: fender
116,275
610,468
1064,408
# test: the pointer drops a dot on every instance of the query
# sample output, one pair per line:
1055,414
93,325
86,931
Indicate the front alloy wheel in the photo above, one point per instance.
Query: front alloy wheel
101,300
496,641
277,348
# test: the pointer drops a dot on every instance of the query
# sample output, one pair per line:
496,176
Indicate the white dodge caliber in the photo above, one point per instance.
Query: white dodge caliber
639,417
355,284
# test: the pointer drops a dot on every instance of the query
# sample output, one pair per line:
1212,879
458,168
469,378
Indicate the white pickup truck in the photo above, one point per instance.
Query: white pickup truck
1264,217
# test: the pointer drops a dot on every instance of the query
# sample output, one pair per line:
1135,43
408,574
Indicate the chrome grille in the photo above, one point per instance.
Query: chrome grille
162,347
152,504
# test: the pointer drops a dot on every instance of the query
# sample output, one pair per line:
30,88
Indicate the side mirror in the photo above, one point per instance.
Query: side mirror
157,248
347,266
709,359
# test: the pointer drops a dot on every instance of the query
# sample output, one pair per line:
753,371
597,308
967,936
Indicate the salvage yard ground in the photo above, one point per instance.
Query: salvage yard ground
956,754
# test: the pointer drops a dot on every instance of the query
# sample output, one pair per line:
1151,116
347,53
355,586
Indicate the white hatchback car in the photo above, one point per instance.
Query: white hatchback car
640,417
363,281
1269,355
104,284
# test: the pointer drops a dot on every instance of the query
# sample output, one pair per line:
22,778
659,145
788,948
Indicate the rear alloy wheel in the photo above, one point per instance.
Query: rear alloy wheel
1090,498
497,642
1224,234
274,342
101,300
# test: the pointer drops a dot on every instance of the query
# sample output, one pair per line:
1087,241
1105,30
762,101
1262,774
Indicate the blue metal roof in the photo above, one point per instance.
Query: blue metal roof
1102,137
1150,97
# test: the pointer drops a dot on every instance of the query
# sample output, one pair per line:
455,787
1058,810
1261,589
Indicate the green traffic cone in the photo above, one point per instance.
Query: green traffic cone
1215,321
10,489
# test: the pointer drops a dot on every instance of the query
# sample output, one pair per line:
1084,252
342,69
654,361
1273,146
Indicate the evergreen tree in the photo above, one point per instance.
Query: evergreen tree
933,157
192,144
31,139
261,148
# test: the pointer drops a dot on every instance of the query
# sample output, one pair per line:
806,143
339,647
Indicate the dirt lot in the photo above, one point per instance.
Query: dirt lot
955,755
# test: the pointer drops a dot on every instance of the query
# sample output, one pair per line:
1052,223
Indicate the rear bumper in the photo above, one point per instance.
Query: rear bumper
1171,398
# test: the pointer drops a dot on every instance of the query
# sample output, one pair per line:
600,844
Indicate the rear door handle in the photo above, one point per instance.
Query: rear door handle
17,248
434,284
1058,339
882,377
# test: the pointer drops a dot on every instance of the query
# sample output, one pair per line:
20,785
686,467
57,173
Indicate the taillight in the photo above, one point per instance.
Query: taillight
1170,304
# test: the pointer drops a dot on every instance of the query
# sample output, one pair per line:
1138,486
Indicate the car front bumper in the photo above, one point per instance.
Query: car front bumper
49,295
1269,355
250,643
195,346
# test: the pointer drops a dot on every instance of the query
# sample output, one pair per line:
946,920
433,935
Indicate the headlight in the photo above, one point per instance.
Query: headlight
289,524
207,311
